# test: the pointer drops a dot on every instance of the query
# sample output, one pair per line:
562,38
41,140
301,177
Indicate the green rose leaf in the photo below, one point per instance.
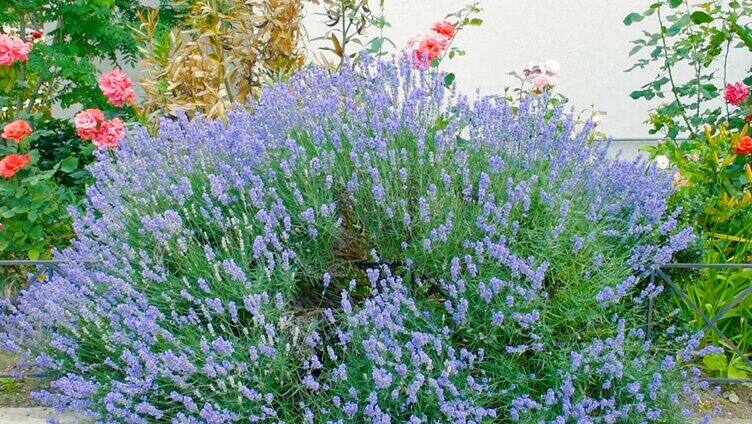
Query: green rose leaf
700,17
69,164
449,79
632,18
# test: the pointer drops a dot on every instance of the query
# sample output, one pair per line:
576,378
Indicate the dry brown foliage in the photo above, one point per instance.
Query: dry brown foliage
220,53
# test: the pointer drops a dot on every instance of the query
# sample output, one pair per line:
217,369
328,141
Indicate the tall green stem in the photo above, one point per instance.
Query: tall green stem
674,90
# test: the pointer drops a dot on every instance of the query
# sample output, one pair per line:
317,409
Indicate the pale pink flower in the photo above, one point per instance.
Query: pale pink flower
117,87
13,49
110,134
88,122
597,119
543,82
680,180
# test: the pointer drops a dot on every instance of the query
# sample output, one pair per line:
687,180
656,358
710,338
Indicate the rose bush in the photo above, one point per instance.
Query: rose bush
48,53
365,246
704,118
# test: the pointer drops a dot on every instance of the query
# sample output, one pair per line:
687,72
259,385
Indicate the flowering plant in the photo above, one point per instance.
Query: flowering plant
364,246
713,176
48,53
693,40
430,48
708,147
32,168
36,185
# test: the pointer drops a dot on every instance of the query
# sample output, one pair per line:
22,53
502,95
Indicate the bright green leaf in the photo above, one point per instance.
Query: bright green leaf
715,361
734,372
699,17
69,164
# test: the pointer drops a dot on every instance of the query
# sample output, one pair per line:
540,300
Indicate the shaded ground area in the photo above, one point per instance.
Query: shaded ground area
733,407
15,392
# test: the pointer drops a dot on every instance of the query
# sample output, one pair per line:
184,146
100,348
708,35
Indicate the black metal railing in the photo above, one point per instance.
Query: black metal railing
707,321
47,268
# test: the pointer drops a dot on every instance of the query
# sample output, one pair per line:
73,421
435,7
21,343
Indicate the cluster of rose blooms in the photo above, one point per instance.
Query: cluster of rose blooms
425,48
737,94
544,76
90,123
15,49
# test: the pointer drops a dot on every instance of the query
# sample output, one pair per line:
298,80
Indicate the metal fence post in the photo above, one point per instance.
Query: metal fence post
649,330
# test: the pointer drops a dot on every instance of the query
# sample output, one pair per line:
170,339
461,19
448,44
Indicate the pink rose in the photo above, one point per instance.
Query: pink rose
13,49
110,134
16,130
88,122
117,87
425,49
446,31
544,81
680,180
736,93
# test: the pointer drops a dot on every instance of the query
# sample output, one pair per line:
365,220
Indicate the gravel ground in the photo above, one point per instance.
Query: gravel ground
40,416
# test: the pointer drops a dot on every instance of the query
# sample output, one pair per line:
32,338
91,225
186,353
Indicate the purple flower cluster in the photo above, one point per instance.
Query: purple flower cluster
365,246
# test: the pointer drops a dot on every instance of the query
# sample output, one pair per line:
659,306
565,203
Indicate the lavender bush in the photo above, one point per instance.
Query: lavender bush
367,246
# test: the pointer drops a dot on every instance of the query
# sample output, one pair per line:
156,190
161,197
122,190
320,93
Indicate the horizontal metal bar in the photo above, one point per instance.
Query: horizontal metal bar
22,376
727,380
18,262
706,266
643,139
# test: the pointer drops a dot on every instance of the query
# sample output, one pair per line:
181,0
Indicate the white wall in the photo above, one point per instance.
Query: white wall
587,37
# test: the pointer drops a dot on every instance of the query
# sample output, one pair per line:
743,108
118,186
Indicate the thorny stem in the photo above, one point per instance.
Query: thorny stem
34,94
697,64
725,72
671,75
22,71
381,26
344,33
449,44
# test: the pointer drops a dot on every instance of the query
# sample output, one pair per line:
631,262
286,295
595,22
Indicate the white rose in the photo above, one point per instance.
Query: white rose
597,119
662,162
553,67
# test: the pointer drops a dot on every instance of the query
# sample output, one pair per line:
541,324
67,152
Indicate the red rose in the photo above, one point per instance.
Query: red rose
11,164
744,146
736,93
